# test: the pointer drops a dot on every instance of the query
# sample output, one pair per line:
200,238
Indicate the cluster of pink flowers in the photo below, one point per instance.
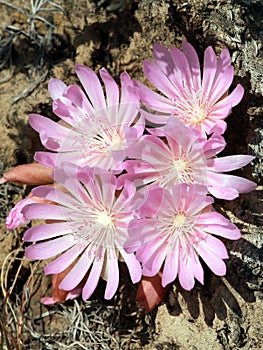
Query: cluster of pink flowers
134,175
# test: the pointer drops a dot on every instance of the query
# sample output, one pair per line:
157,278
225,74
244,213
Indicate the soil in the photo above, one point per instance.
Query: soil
225,313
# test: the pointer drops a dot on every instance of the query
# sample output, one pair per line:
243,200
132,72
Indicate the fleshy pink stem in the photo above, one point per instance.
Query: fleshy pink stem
28,174
151,292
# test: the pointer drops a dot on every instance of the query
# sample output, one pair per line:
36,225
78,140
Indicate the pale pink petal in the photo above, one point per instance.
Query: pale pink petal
154,263
163,59
193,60
56,88
213,146
229,163
133,265
55,195
228,186
92,86
234,98
209,70
222,83
46,231
65,260
79,270
215,263
185,273
15,217
48,129
170,268
45,212
79,107
154,100
111,88
93,278
49,249
112,274
182,72
161,81
214,245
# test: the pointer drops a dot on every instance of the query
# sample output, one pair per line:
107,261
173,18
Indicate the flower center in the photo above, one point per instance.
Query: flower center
179,220
104,219
180,165
97,144
194,109
179,171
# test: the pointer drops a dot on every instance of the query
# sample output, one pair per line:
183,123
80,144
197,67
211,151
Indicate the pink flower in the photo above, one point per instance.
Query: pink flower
174,229
95,130
198,100
184,158
87,228
15,217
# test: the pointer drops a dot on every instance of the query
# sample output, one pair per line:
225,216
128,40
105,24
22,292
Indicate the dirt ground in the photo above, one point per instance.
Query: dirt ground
225,313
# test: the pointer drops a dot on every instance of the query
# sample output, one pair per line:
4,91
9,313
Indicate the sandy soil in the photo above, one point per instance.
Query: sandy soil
225,313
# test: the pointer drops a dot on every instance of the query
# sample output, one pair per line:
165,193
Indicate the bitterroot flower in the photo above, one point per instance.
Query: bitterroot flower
185,158
174,229
199,100
96,130
87,228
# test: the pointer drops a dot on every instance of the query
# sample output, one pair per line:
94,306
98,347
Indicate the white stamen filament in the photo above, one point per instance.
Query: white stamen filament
194,109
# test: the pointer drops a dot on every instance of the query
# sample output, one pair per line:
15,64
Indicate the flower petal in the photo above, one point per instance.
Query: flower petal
49,249
46,231
92,86
56,87
65,260
112,274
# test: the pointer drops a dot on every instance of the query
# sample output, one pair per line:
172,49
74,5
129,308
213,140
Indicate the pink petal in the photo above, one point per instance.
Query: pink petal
213,222
209,70
93,278
228,186
163,59
215,263
193,60
154,100
185,273
79,270
74,107
49,249
222,83
197,199
15,217
56,88
112,274
153,202
111,88
214,245
65,260
55,195
214,145
52,129
171,265
234,98
92,86
46,231
182,72
47,159
46,212
158,79
133,265
229,163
